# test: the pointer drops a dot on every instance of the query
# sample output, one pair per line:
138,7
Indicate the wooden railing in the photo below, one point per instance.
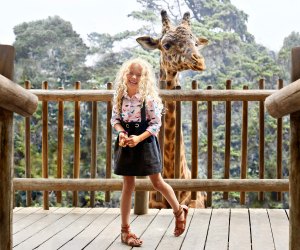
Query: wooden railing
60,96
194,96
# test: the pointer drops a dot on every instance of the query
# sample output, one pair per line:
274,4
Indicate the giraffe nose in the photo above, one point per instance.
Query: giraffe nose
198,62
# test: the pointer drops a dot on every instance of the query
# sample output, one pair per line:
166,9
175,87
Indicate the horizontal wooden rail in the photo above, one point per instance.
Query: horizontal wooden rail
215,95
284,101
16,99
74,95
254,185
167,95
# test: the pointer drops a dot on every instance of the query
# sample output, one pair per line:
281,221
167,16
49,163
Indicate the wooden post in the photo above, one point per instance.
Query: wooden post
27,151
195,141
261,139
60,145
227,139
7,56
94,137
209,146
6,175
244,146
141,200
45,167
108,142
76,170
178,142
294,175
279,145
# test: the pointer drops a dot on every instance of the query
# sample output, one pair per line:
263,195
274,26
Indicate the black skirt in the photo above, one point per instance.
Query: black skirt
142,160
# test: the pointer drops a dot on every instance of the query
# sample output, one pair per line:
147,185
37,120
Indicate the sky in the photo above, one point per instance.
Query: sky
269,21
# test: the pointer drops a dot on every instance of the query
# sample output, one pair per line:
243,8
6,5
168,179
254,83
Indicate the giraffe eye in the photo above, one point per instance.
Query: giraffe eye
167,46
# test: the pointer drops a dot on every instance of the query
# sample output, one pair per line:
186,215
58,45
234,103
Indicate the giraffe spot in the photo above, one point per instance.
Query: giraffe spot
167,147
170,135
172,122
166,154
171,108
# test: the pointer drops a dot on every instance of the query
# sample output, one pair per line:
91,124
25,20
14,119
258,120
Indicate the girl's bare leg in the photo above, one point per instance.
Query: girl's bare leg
126,236
179,211
128,188
165,189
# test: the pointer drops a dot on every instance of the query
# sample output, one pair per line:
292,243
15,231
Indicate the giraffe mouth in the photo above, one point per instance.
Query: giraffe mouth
198,67
198,63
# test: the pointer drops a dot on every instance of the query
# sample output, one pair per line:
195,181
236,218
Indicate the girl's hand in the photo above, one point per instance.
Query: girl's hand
132,140
122,139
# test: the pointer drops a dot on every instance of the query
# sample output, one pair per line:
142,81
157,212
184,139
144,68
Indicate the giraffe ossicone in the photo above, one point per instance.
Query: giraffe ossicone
179,49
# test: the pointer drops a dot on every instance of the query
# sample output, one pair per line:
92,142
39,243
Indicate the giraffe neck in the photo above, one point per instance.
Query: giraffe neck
171,79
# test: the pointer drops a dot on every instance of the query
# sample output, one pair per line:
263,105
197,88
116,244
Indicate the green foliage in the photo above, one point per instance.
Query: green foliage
144,15
50,50
284,55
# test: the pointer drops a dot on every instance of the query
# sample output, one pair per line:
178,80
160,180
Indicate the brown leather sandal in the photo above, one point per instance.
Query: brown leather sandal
180,224
129,238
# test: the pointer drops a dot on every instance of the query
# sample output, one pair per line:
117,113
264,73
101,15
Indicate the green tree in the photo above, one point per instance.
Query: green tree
221,15
284,55
50,50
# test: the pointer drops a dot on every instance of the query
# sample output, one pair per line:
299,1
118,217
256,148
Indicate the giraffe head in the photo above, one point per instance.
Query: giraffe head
178,45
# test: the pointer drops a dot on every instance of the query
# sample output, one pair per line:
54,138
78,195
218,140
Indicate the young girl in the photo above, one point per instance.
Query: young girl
137,118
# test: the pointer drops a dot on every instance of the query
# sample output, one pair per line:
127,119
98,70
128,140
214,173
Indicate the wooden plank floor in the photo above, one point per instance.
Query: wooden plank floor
99,228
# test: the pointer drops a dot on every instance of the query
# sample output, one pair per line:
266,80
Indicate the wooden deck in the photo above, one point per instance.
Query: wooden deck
99,228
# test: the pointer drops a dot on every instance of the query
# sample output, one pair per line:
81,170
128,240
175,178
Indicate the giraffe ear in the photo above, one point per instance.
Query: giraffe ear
148,42
202,41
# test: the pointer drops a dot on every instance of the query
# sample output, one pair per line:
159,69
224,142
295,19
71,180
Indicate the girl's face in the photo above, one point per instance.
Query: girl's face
133,78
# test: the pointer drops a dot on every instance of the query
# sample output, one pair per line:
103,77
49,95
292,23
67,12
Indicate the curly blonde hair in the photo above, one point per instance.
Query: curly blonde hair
147,85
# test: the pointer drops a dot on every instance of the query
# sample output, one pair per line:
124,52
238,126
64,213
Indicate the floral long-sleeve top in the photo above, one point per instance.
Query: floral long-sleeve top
131,112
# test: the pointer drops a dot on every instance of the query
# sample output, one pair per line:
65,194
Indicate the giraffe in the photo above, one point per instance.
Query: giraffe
178,51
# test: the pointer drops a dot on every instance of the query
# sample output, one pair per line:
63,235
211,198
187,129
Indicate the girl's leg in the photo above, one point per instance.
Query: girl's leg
180,211
128,188
165,189
126,236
